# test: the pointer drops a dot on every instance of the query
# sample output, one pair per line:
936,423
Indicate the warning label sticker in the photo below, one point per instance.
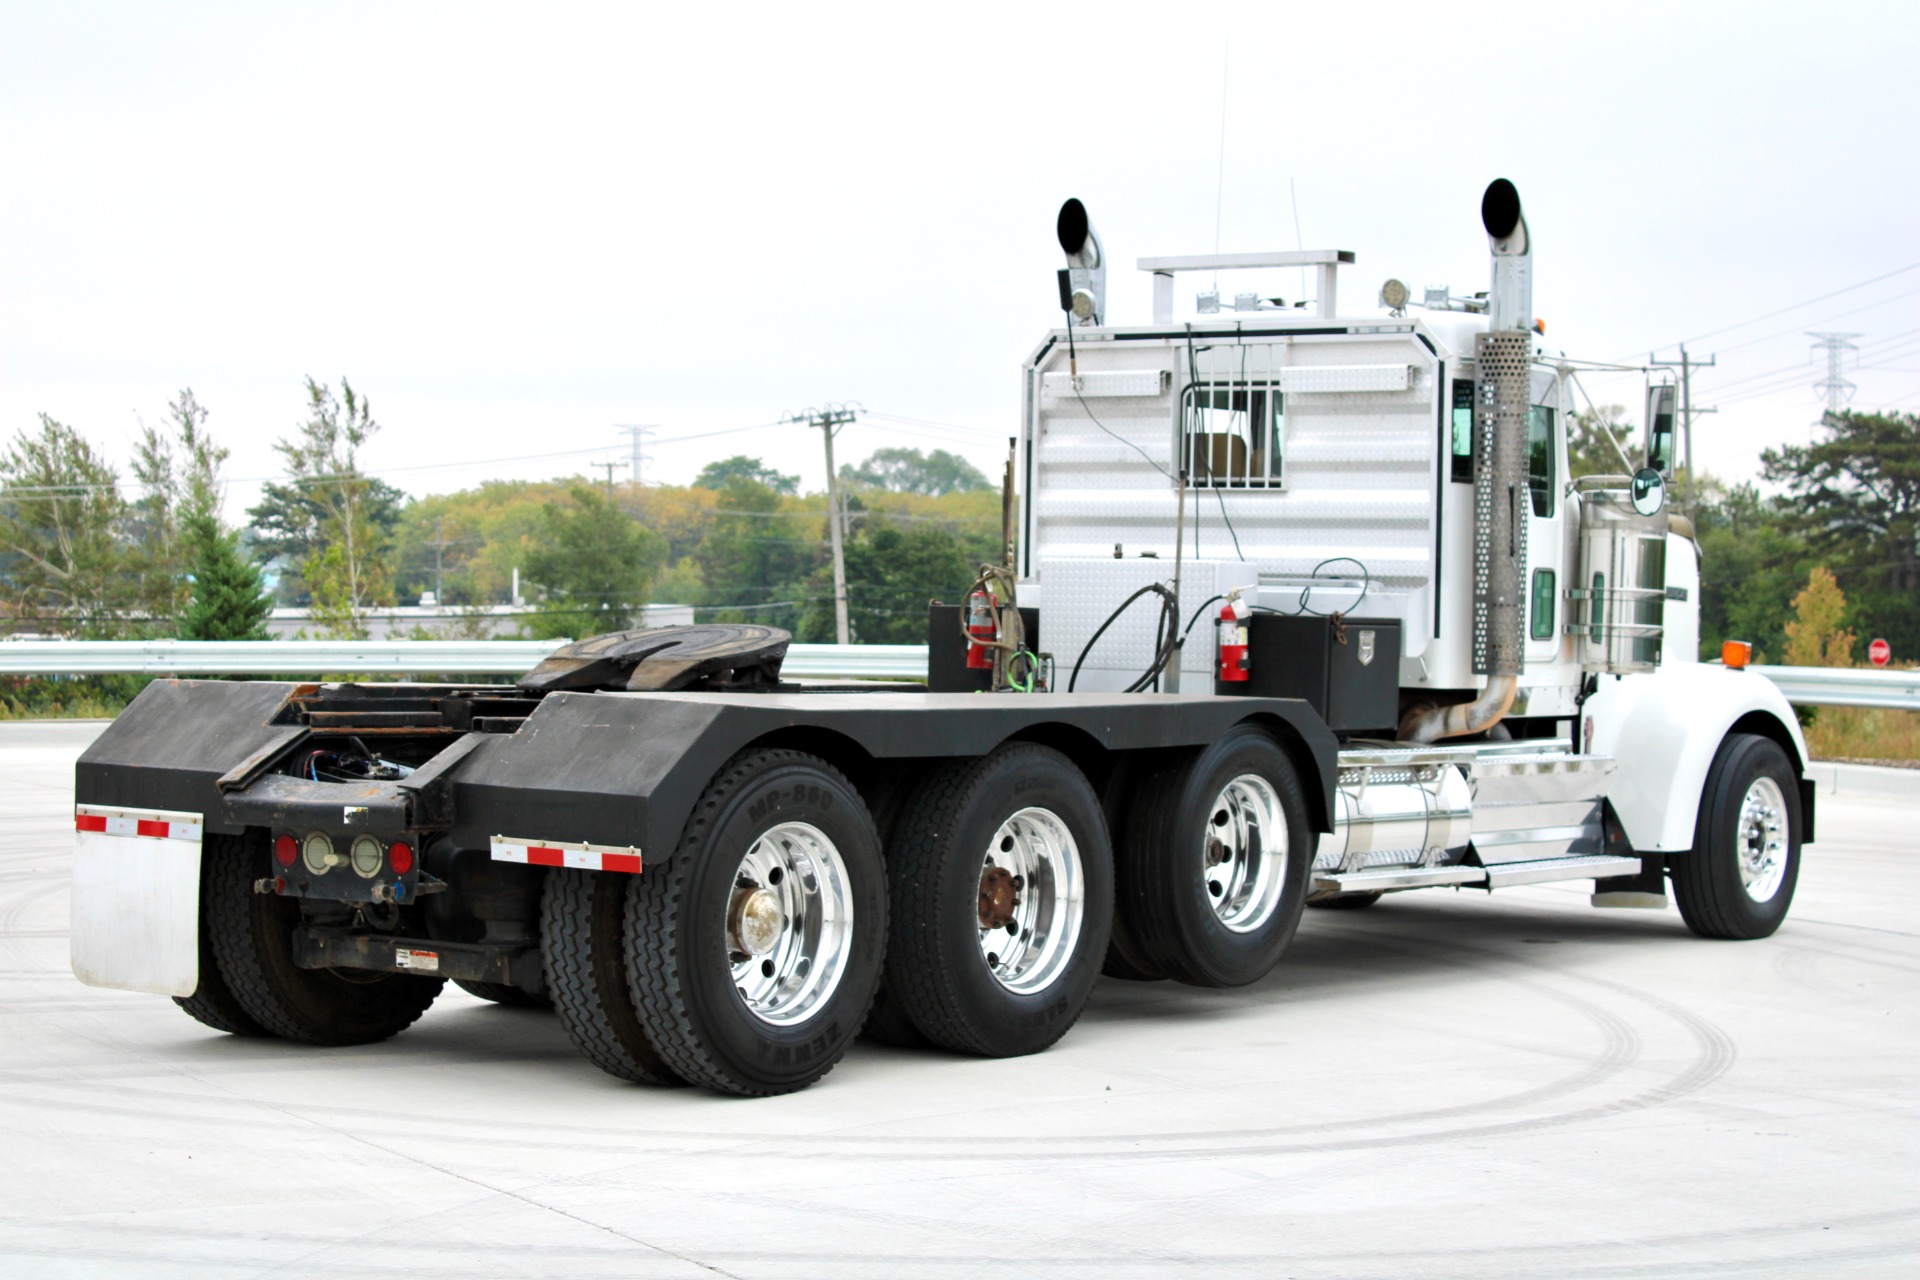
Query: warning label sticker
425,961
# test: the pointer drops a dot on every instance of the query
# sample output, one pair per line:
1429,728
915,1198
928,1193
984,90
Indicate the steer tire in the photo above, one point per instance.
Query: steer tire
582,948
253,943
212,1002
937,965
682,968
501,994
1707,883
1167,874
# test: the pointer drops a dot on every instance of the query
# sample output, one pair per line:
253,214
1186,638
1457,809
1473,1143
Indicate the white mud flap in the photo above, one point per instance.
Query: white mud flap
136,899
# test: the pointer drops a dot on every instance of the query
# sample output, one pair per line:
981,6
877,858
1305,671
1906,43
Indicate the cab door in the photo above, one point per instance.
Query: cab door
1549,514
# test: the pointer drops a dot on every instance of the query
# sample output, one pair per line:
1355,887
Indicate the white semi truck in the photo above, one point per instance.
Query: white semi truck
1428,659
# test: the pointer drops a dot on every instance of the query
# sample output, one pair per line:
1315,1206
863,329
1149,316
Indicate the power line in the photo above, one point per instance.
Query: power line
1714,333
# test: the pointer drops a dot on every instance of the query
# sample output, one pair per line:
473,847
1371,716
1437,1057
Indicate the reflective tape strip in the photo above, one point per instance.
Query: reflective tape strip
557,853
151,823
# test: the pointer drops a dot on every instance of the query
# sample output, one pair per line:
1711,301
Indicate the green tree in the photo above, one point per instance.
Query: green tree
61,517
758,555
229,601
718,475
1751,564
1854,495
1588,453
337,520
933,474
892,572
594,565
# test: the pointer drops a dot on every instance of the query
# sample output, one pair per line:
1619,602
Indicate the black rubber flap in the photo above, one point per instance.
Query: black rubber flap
717,655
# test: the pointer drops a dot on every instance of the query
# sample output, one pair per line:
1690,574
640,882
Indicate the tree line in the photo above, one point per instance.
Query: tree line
83,554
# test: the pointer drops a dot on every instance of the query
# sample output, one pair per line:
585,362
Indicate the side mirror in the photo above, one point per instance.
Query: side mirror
1660,416
1649,492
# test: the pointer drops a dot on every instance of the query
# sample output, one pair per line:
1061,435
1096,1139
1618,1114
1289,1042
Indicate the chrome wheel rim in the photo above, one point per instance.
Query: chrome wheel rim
1032,901
789,923
1246,853
1760,840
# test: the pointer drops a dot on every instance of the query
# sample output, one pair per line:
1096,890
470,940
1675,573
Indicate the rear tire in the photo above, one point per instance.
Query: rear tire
753,956
583,950
1214,861
253,943
974,985
1738,881
212,1002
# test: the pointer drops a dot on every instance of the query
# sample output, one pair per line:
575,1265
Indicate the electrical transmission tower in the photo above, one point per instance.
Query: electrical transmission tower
636,437
1835,389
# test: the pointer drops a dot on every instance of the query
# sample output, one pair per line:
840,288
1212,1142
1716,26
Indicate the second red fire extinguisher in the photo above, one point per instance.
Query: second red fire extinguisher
1233,640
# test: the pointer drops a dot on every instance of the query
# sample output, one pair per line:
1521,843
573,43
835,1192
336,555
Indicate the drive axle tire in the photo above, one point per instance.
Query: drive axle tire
1739,879
583,951
1002,887
1214,861
752,957
253,943
501,994
212,1003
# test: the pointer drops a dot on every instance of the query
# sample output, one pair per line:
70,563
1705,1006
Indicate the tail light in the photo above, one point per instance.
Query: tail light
285,850
400,857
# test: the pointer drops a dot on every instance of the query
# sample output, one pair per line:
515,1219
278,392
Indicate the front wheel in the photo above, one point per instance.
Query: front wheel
1739,879
753,956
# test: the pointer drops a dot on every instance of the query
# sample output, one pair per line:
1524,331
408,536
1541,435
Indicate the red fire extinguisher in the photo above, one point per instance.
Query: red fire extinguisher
983,628
1233,642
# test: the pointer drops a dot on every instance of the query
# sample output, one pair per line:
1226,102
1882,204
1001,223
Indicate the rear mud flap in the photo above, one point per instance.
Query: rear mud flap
136,899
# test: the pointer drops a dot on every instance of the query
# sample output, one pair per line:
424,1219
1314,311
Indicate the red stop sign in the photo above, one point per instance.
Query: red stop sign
1879,653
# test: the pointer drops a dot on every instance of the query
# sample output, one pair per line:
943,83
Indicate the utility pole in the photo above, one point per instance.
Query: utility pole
608,468
1835,389
828,418
636,437
1686,365
439,545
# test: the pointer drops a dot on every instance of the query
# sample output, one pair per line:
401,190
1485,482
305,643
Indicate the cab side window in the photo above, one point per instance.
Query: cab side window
1540,460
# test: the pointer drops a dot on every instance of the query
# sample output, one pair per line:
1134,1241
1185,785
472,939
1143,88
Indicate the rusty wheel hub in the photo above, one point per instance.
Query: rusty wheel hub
999,897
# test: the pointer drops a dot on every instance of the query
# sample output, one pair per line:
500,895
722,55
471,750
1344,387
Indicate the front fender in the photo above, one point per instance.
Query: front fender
1663,728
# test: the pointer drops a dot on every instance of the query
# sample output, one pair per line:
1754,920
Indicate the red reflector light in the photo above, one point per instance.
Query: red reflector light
285,851
401,857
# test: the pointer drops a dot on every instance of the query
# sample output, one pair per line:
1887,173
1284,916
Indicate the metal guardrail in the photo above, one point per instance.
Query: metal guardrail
1846,687
1806,686
388,657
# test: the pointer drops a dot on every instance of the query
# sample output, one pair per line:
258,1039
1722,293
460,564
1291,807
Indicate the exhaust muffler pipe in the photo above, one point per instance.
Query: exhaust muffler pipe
1501,501
1083,282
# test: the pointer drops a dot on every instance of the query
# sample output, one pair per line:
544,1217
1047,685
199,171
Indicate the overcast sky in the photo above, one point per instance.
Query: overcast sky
514,227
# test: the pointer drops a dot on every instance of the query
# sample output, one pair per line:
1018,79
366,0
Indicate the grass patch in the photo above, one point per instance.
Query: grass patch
67,697
1864,733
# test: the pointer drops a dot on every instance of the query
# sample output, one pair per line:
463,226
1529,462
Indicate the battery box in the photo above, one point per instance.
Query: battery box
1347,669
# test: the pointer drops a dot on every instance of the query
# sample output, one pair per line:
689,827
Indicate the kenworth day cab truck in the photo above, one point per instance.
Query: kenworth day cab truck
1429,660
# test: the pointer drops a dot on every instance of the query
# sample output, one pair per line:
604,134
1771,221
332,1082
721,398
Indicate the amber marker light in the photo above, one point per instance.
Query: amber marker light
1735,654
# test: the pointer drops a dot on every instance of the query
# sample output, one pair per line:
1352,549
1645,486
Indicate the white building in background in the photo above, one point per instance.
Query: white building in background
487,622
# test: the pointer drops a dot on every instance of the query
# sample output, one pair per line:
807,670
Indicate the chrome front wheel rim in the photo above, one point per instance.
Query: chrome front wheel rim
1245,861
1032,901
1760,839
789,923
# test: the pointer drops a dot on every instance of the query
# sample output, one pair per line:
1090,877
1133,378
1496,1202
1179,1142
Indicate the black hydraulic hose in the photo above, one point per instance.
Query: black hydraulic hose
1163,638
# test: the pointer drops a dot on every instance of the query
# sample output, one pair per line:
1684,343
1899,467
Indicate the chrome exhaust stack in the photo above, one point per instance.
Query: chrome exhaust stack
1501,401
1083,282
